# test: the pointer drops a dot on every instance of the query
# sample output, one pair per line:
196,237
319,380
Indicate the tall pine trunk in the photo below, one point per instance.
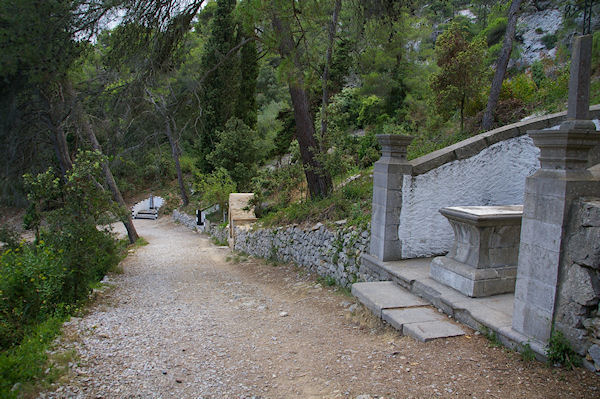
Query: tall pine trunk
175,153
501,65
318,179
331,41
86,126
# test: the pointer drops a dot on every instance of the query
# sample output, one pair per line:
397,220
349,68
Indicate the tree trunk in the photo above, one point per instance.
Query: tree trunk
54,121
317,178
462,113
501,65
61,148
82,117
175,153
332,30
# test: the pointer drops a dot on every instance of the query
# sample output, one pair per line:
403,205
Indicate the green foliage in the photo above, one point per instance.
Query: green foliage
33,283
537,73
491,336
596,53
560,351
521,87
27,362
495,31
549,41
246,101
352,202
219,94
214,188
236,152
461,70
9,237
36,39
527,354
371,111
43,278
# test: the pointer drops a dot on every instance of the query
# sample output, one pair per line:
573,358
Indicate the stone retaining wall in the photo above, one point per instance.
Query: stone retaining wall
185,219
214,230
334,253
577,312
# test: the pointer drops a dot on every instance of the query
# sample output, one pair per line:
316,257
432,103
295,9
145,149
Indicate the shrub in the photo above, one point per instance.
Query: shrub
495,30
32,285
549,41
560,351
9,237
371,111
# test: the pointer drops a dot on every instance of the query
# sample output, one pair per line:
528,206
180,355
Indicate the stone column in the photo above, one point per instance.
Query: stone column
549,194
388,174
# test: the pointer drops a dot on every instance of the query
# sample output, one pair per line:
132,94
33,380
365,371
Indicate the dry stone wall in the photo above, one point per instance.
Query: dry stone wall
330,253
185,219
334,252
577,312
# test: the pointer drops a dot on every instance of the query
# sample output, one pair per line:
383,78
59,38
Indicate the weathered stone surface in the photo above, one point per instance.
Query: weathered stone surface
397,318
381,295
579,285
584,247
387,195
426,331
470,147
591,214
594,353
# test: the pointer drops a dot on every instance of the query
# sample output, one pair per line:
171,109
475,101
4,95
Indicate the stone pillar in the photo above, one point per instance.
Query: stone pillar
549,194
388,174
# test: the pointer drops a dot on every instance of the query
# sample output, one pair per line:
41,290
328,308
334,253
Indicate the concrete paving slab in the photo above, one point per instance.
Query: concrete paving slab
428,330
398,318
381,295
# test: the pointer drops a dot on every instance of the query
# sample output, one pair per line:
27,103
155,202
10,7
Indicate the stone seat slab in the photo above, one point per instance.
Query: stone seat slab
380,295
429,330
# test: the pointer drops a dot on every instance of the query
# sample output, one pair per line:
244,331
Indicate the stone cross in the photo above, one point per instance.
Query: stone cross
578,114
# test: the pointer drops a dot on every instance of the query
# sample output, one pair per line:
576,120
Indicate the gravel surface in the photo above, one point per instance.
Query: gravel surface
186,321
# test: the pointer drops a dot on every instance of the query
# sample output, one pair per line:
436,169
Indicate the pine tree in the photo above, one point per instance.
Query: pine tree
220,90
246,103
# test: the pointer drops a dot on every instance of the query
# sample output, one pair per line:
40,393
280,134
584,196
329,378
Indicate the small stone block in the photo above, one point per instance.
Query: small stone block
428,330
398,318
381,295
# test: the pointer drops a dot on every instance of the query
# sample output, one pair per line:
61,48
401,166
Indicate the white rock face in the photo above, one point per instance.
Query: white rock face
549,21
495,176
468,14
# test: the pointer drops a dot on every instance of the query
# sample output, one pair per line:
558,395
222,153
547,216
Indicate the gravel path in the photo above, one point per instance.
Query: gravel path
185,321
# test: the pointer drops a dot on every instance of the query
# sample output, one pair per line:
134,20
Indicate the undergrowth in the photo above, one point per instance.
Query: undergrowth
560,351
351,202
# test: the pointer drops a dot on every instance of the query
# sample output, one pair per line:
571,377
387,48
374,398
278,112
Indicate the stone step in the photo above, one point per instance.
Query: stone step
406,312
381,295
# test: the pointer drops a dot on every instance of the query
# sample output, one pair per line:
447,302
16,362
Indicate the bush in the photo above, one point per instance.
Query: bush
32,285
560,351
371,111
46,277
495,31
9,237
549,41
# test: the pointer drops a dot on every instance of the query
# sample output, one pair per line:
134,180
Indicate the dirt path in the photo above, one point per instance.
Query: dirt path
183,322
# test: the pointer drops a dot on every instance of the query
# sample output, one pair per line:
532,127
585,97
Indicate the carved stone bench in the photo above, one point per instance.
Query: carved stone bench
484,257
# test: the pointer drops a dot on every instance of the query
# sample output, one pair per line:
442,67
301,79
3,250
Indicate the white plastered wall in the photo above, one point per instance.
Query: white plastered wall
495,176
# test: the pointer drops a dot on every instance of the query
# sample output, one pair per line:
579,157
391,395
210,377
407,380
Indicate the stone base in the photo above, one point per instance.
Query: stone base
473,282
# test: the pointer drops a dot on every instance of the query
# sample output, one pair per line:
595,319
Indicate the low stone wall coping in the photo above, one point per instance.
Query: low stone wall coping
474,145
